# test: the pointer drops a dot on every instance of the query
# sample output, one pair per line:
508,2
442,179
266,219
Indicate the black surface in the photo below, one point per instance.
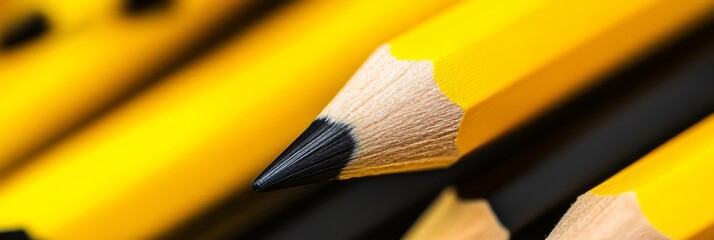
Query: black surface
133,7
349,209
540,227
30,28
237,213
18,234
317,155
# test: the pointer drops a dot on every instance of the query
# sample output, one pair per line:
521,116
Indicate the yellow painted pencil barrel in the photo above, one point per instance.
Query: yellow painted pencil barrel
466,77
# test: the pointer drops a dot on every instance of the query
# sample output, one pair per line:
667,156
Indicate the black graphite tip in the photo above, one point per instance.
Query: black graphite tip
31,27
319,154
136,7
17,234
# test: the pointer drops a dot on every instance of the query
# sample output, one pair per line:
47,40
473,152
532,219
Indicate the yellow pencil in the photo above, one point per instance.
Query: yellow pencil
467,76
60,79
205,131
666,194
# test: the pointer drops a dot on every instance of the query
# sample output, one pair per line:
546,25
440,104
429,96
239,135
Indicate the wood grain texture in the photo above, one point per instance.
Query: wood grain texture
605,217
670,187
452,218
406,123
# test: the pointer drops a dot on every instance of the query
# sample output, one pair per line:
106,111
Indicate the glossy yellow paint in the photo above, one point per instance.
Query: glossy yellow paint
204,132
504,62
674,183
60,79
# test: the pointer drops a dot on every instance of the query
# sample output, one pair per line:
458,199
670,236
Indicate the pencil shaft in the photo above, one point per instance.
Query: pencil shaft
468,76
488,57
61,80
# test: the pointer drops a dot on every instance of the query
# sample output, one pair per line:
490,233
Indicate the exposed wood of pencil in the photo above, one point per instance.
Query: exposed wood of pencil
452,218
671,186
417,129
605,217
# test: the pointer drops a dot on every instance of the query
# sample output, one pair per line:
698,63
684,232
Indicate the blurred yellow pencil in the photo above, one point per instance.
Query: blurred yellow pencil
205,131
58,80
665,195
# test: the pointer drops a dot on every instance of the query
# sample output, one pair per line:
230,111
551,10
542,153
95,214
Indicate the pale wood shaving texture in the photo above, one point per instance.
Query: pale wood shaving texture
605,217
401,119
452,218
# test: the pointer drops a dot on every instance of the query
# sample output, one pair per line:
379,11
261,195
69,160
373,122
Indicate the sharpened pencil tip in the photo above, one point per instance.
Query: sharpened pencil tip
257,186
319,154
